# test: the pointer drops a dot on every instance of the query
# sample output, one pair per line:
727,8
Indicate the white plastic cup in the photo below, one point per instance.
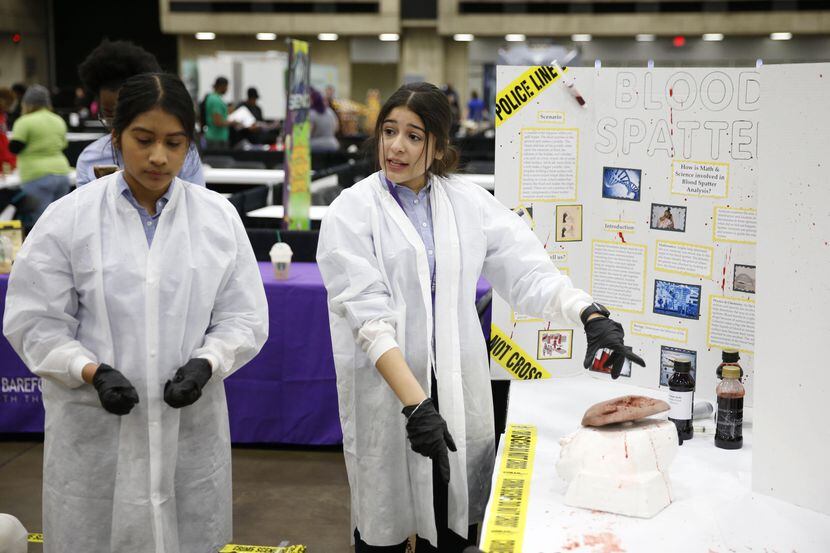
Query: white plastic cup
281,259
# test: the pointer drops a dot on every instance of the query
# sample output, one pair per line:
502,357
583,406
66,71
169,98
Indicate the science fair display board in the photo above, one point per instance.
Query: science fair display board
641,185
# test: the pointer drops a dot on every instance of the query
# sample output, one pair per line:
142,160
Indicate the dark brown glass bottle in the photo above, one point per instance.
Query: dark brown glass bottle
729,357
682,398
730,418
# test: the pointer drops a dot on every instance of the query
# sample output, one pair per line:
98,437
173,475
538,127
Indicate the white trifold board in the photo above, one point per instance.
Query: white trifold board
792,435
647,142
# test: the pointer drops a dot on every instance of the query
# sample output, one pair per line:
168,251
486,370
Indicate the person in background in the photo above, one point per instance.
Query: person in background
102,73
251,97
324,124
133,299
256,133
216,126
15,111
38,139
455,109
475,108
8,161
400,254
331,101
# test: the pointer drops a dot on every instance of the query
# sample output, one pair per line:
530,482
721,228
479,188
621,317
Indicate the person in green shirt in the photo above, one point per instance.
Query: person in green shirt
38,139
216,125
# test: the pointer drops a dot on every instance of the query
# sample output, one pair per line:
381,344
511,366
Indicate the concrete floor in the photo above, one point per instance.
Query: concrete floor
301,496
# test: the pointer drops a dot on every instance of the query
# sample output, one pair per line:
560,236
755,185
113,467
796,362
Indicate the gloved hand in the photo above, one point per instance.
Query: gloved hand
186,386
428,435
115,392
603,332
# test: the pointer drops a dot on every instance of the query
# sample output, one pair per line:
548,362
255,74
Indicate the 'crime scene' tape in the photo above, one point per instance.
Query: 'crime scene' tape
506,524
230,548
513,358
234,548
522,89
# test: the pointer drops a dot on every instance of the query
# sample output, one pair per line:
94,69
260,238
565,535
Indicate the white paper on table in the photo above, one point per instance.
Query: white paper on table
243,116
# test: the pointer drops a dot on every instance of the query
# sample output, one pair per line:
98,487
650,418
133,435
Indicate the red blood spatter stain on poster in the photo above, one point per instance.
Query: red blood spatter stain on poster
620,234
606,542
723,272
571,545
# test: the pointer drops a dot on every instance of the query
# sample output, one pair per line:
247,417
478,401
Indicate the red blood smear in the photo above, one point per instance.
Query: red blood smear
581,100
608,542
621,236
625,441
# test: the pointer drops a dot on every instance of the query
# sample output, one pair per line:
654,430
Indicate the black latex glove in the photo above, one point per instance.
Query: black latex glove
186,386
428,435
603,332
115,392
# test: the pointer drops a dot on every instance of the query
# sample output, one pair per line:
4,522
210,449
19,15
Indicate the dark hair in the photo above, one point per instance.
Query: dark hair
112,63
147,91
220,81
316,99
19,89
252,93
430,104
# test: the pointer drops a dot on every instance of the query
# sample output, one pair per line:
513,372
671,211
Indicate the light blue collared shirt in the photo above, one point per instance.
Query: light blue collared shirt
148,222
418,209
101,152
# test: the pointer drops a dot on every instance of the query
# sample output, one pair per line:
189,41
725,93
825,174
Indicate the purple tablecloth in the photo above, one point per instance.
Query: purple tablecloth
286,394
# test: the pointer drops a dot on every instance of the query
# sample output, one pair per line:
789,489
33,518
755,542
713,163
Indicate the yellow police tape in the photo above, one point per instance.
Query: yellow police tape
230,548
522,89
234,548
506,523
513,358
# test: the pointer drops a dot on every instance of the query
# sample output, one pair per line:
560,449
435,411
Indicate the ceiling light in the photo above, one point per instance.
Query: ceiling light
515,37
645,38
713,37
205,36
581,38
463,37
389,37
266,36
328,37
781,36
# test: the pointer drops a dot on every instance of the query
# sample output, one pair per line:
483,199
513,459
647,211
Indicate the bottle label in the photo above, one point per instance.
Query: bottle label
730,418
681,405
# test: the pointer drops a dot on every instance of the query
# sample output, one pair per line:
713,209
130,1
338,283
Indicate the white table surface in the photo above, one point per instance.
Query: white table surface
269,177
82,136
316,212
714,508
13,180
488,182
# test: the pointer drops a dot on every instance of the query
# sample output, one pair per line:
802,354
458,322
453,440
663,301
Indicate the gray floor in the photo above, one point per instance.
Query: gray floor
298,496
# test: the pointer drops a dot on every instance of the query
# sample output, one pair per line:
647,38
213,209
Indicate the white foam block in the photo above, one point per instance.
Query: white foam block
621,468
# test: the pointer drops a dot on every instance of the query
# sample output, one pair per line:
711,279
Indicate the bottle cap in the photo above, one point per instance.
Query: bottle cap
682,364
730,356
731,372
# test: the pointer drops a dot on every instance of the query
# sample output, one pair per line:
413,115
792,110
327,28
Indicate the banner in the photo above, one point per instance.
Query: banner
297,187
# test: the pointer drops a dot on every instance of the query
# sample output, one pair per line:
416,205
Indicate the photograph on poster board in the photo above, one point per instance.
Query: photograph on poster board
676,299
525,213
668,217
554,344
667,356
621,184
744,278
569,223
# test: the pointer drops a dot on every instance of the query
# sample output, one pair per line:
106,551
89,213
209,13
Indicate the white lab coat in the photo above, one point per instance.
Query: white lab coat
85,287
376,272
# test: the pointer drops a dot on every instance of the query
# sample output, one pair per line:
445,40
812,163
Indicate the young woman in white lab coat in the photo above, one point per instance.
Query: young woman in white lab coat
133,298
400,253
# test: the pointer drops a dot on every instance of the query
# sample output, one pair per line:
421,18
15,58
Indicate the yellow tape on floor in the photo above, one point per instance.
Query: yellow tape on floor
522,89
513,358
234,548
506,524
230,548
